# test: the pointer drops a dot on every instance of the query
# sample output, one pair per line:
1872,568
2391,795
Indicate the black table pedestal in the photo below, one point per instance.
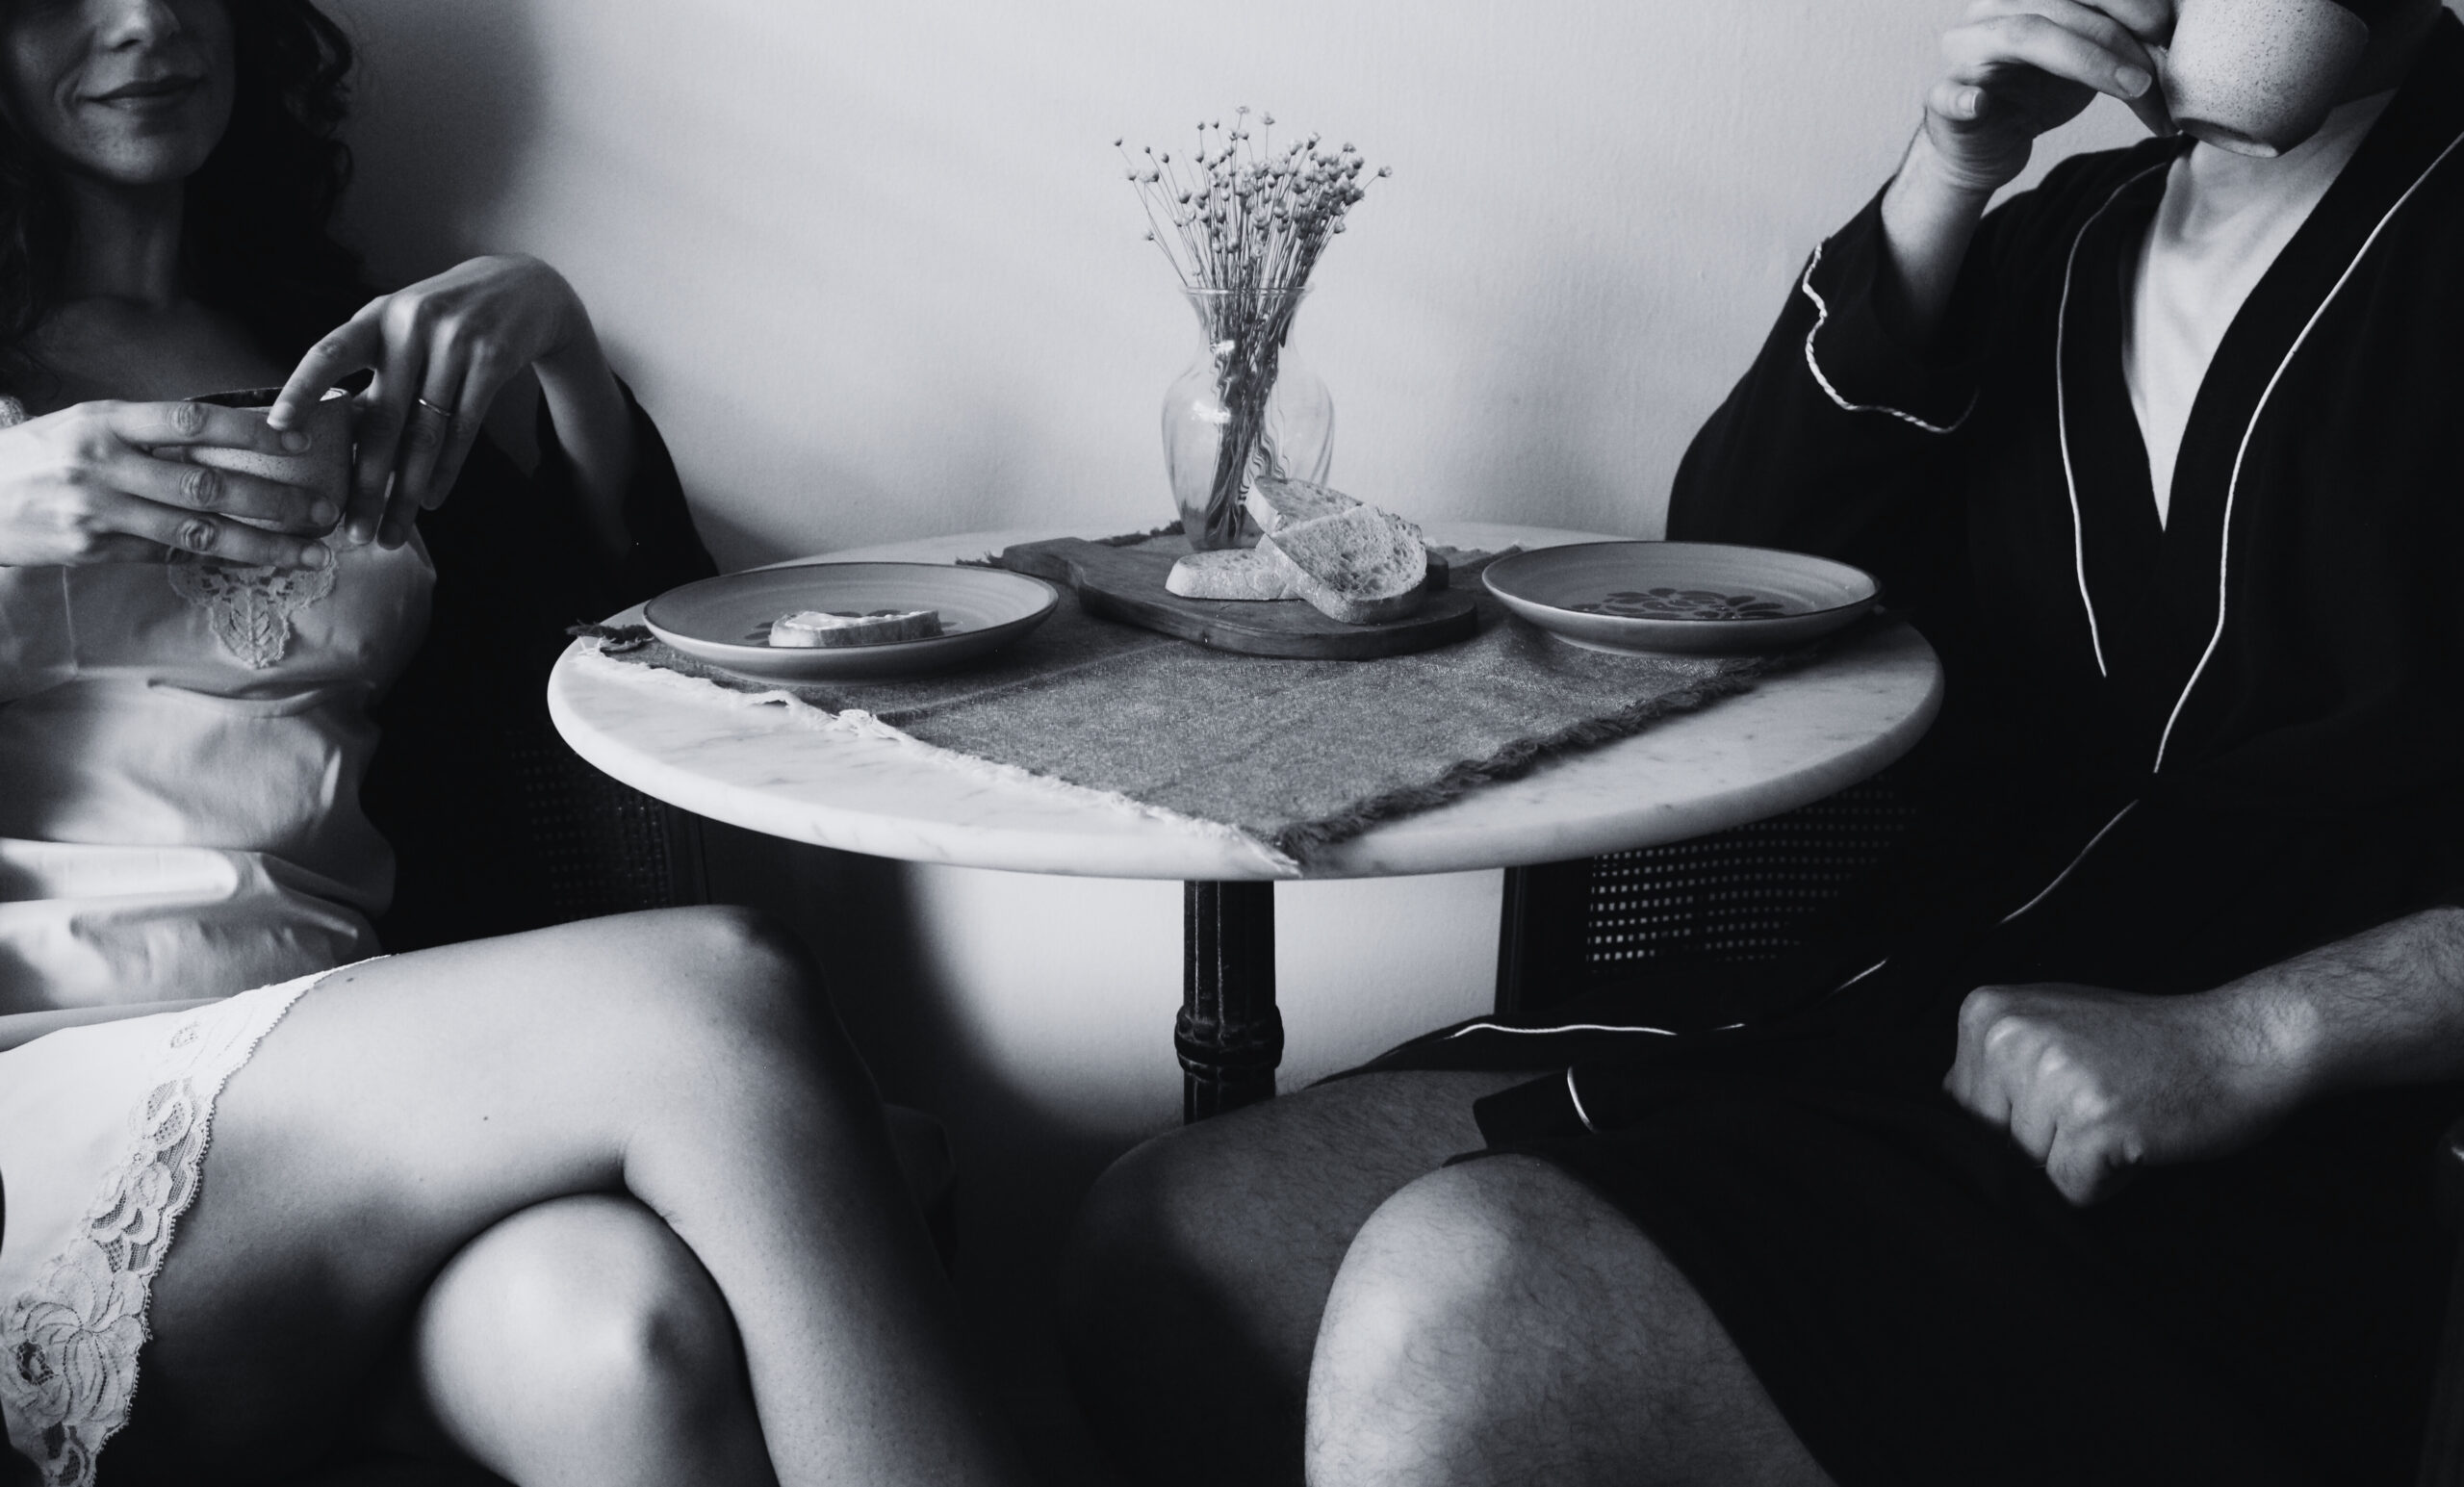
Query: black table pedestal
1229,1035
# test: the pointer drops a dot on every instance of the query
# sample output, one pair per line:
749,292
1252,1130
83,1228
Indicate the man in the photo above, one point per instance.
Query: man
2163,456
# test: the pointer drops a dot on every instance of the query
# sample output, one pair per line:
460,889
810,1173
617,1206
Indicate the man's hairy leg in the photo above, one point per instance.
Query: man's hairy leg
1498,1322
1202,1259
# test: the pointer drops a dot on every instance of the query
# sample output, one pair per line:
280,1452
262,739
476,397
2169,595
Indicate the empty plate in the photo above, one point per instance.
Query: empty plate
1687,597
726,621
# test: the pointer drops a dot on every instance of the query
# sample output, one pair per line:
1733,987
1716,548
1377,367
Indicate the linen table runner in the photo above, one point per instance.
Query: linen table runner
1296,755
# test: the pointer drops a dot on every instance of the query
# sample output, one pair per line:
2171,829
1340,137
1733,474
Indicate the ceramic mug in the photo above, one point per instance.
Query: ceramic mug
2257,77
324,467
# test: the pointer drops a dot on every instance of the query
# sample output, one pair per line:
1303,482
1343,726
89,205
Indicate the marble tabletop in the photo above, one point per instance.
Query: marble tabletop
1792,739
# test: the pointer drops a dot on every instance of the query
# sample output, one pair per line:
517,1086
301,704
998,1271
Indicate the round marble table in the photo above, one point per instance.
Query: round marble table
1792,740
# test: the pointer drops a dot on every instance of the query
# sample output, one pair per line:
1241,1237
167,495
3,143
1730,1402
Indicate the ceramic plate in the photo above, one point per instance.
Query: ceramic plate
1689,596
725,621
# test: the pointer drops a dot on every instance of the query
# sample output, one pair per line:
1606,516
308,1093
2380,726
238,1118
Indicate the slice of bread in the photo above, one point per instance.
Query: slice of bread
1233,573
812,630
1276,504
1359,565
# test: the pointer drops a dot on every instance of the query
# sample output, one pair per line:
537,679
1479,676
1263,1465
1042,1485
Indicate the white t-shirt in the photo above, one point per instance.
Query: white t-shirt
181,748
2224,221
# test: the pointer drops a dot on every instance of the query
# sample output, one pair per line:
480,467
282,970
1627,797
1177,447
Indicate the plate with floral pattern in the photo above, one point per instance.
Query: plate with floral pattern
1681,596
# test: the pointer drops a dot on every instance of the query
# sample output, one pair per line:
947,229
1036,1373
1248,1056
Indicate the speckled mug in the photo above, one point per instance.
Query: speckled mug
324,467
2257,77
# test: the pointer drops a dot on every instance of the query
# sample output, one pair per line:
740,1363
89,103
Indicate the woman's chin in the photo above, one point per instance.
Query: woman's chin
130,146
139,158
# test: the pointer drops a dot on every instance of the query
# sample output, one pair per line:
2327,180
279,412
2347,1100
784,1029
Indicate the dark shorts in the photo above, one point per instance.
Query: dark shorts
1925,1308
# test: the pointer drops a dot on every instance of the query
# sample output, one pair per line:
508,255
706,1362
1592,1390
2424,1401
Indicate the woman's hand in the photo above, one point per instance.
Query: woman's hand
2017,68
88,485
442,350
2093,1082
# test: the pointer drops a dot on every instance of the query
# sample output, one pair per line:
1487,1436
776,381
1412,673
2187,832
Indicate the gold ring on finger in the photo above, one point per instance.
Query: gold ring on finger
447,414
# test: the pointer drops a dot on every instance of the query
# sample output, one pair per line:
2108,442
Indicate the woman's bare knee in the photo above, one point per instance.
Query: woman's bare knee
579,1335
716,962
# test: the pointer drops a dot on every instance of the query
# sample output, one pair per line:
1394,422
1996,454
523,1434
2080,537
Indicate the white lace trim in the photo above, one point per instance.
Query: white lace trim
856,722
68,1345
250,607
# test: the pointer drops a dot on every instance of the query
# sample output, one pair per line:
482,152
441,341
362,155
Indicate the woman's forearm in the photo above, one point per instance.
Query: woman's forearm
596,431
2385,1007
1928,222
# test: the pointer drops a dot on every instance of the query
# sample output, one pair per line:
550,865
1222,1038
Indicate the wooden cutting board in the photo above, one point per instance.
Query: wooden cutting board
1127,584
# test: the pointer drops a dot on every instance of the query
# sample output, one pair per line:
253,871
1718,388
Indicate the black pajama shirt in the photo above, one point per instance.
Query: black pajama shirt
2172,754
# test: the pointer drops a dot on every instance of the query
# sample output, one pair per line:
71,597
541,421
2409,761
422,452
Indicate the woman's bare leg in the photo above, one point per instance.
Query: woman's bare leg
579,1344
407,1106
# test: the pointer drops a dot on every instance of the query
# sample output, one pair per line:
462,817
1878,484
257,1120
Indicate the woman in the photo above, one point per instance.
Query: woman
605,1203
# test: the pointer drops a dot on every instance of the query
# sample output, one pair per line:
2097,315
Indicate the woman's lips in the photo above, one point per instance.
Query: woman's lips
150,91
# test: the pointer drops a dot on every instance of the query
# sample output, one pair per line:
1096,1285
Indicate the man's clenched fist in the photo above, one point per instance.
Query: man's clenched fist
2093,1082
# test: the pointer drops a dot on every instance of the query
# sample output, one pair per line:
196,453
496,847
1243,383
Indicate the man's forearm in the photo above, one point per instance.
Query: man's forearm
1928,221
2385,1007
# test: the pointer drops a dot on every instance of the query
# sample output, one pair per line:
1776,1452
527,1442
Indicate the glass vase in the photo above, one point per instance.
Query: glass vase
1246,407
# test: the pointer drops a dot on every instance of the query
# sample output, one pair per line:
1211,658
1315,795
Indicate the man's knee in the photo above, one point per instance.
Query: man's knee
1453,1306
583,1315
1151,1225
1442,1271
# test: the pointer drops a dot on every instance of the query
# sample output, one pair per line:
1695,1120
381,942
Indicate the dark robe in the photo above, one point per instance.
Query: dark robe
2172,754
514,567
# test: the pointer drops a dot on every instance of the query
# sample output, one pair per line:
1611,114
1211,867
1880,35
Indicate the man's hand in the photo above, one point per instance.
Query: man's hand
2015,69
2093,1082
2011,70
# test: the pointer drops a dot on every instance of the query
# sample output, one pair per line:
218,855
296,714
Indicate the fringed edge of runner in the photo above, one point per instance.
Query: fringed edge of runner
856,722
1305,841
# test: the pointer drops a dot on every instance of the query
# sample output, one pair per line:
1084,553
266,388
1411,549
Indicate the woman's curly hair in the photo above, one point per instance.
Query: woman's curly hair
259,215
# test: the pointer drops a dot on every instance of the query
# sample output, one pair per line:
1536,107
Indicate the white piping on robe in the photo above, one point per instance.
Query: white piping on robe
1580,1113
2062,412
1822,318
1598,1027
1571,1027
2233,488
2064,876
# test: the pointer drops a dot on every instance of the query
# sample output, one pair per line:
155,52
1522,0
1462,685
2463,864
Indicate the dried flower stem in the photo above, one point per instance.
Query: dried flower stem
1243,224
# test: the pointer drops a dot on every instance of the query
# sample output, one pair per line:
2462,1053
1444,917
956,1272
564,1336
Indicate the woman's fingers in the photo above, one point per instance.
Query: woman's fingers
155,426
386,421
196,531
357,345
202,488
481,381
429,436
